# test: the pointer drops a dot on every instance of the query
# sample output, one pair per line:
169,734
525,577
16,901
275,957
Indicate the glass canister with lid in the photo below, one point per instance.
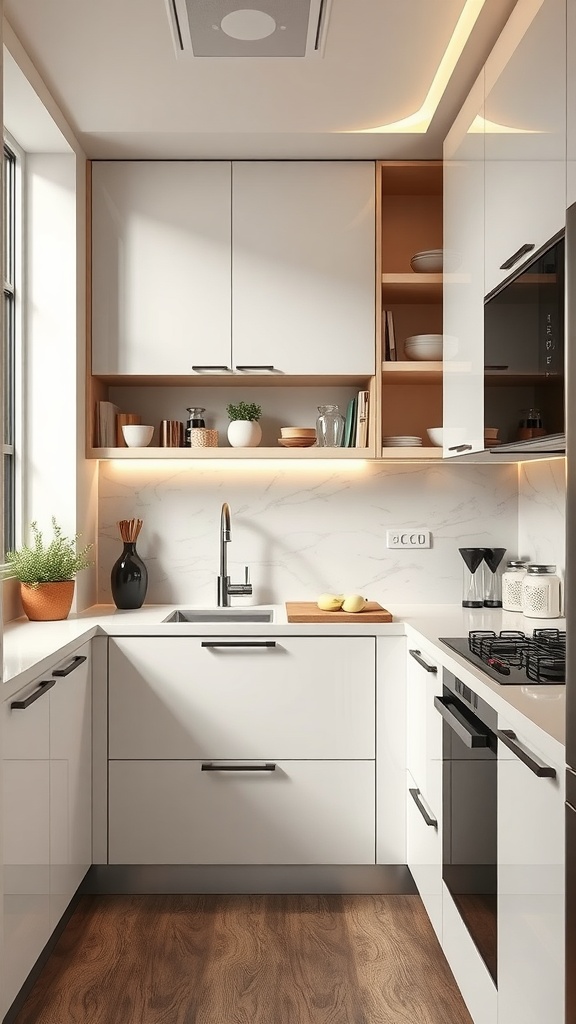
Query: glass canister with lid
512,585
541,592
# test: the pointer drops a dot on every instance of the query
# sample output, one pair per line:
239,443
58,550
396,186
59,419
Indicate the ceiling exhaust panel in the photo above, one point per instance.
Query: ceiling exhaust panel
249,28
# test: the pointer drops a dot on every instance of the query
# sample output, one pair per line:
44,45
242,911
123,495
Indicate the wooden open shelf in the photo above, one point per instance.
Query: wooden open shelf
411,288
234,454
419,454
403,372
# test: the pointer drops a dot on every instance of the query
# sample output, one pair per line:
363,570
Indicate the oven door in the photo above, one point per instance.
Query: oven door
469,836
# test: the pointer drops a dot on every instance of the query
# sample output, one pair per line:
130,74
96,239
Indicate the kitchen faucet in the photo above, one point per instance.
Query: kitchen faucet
226,590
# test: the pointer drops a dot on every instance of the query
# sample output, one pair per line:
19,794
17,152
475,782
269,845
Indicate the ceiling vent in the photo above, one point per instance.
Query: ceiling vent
275,28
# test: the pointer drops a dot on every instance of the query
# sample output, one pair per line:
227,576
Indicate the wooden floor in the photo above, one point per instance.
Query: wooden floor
246,960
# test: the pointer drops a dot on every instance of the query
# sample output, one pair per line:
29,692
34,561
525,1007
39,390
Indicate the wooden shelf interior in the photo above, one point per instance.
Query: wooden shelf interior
411,413
411,373
397,288
412,219
423,454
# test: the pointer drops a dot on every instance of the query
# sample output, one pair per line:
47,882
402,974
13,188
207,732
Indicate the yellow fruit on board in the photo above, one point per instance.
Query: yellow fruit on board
330,602
353,603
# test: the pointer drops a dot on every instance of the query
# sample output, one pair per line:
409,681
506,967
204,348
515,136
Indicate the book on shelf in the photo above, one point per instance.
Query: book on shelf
362,403
106,413
349,424
390,351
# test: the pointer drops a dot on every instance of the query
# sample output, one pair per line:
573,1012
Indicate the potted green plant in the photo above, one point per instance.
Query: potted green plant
46,572
244,431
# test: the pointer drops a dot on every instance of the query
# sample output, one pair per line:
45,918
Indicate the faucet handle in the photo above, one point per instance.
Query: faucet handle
246,575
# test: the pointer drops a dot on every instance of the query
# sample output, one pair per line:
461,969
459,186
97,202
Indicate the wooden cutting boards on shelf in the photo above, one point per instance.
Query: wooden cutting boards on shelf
308,611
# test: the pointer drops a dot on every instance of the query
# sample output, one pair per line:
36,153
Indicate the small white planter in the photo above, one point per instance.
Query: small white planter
244,433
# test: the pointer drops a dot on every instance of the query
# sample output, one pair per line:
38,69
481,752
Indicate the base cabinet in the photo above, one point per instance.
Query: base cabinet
46,811
424,853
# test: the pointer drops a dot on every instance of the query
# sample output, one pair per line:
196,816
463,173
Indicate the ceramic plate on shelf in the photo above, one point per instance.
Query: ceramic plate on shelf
297,442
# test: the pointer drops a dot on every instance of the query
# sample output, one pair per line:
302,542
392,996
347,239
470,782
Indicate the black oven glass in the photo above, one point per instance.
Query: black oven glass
469,797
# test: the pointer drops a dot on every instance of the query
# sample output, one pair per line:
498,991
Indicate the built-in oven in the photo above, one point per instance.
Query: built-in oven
469,801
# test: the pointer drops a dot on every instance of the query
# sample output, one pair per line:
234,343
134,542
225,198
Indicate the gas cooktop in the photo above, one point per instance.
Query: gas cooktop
512,658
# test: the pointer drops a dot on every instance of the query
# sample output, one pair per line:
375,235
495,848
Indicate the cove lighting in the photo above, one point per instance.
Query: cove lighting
236,466
419,122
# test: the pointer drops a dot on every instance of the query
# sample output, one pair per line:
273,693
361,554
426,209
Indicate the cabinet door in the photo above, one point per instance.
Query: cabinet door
304,697
161,255
424,852
530,885
525,113
464,279
303,812
70,781
303,272
25,836
571,104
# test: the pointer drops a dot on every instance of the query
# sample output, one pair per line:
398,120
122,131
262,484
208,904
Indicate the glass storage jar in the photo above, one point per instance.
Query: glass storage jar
329,427
512,585
195,420
541,592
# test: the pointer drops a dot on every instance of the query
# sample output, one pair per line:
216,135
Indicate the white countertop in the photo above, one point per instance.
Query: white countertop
31,647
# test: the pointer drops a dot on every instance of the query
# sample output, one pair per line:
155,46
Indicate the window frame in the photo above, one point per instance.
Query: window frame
12,446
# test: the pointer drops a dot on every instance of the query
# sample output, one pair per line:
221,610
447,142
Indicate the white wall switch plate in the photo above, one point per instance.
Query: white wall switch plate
408,538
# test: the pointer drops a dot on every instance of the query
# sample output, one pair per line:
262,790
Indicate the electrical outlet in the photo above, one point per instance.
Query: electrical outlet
408,538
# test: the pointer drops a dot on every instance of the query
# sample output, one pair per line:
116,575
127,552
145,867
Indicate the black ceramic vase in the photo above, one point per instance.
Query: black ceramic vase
129,579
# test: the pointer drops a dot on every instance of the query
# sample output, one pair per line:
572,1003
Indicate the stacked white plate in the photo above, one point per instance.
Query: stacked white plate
424,347
430,261
402,441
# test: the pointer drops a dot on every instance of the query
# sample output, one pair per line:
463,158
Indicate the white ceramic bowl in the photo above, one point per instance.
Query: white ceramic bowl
431,262
424,347
436,435
137,435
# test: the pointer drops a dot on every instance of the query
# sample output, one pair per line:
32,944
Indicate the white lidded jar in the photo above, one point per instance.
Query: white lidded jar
541,592
512,579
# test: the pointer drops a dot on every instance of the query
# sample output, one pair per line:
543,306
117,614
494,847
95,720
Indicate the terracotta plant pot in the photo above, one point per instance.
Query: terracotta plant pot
48,601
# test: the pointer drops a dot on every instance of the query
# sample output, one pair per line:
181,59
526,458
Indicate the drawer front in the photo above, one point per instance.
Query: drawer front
305,697
424,853
303,812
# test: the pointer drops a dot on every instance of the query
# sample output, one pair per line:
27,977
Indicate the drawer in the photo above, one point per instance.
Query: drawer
424,853
303,697
303,812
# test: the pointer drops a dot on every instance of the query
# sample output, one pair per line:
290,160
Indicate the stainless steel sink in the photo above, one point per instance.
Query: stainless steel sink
221,615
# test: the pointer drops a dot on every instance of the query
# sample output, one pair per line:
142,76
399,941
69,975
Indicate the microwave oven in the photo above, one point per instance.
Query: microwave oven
524,353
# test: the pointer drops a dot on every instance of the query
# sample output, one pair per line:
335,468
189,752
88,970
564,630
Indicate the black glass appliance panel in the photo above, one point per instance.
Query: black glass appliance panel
470,813
512,658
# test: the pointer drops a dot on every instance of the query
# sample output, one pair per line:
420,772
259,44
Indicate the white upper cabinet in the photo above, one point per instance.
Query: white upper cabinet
464,278
525,125
571,104
161,254
303,269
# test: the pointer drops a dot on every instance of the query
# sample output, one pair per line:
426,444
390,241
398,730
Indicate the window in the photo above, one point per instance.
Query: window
10,300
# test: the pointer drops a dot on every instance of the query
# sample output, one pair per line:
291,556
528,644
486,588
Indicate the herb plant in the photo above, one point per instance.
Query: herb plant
46,563
244,411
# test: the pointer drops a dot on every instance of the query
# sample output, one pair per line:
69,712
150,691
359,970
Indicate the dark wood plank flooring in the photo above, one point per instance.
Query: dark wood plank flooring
246,960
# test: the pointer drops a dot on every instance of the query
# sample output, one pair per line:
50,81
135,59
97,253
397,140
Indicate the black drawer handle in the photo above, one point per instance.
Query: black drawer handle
464,729
270,369
510,740
77,660
211,766
238,643
461,448
203,369
45,685
417,657
415,794
517,255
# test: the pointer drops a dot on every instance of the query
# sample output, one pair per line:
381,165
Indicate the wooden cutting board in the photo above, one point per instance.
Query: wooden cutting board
308,611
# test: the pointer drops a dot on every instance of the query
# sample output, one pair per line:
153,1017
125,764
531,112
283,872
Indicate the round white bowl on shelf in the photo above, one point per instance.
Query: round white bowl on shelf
137,435
424,347
436,435
430,261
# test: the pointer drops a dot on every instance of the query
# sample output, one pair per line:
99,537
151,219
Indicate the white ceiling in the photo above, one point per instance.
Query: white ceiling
112,68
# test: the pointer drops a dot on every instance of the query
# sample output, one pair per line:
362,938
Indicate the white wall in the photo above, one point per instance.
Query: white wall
305,529
542,512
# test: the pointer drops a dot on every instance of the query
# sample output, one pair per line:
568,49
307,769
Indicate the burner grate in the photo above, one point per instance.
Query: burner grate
542,656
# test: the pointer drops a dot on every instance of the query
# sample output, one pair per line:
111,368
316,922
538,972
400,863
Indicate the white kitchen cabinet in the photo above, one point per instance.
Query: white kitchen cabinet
46,811
470,972
302,812
530,878
525,132
570,104
303,269
424,788
235,697
161,264
464,278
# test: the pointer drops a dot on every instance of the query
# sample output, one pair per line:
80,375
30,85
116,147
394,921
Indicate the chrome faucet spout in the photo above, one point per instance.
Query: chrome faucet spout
225,587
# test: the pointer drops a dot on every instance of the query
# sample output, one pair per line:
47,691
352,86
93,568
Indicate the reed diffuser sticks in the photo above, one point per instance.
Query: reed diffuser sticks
129,530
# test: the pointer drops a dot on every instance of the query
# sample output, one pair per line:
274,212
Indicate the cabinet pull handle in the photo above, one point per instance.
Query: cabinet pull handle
510,740
211,766
415,794
238,643
44,686
202,369
269,368
461,448
417,657
464,729
74,664
517,255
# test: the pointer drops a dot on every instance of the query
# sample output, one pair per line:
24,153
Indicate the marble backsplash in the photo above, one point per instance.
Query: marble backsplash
304,529
542,512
